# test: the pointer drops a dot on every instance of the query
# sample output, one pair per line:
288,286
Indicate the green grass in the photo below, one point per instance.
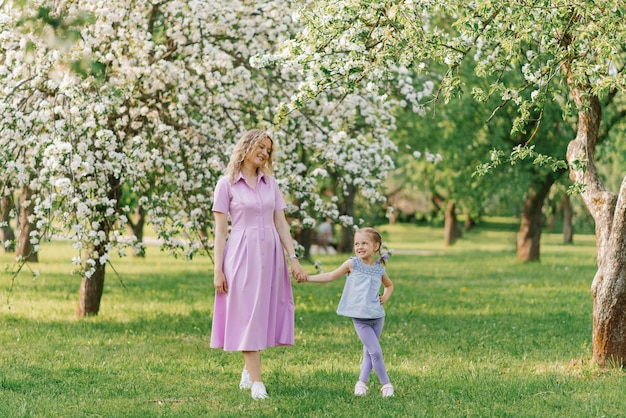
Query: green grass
470,332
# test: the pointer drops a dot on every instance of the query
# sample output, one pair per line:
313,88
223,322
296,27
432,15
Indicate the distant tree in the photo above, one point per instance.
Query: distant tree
457,135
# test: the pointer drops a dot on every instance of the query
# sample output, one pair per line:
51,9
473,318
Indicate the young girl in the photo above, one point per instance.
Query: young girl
362,302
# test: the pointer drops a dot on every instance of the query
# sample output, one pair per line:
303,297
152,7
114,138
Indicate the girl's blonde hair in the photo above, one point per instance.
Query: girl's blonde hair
245,146
377,239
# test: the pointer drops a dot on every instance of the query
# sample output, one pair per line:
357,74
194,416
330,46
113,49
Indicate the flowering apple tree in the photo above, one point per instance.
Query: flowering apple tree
101,98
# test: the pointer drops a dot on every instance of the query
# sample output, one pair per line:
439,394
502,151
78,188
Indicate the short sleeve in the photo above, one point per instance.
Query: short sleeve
222,196
279,202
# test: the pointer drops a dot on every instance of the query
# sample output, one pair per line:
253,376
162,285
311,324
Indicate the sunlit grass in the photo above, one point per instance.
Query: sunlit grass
470,332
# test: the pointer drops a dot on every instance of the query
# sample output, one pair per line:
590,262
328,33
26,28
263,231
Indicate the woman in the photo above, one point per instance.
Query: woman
254,306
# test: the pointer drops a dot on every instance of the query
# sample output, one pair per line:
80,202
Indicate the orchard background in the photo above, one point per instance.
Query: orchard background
119,116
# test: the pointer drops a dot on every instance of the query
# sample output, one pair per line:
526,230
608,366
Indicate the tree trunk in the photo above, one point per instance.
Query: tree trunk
437,202
608,210
452,230
25,249
470,223
306,241
7,236
609,284
91,287
552,217
568,216
529,236
346,241
136,228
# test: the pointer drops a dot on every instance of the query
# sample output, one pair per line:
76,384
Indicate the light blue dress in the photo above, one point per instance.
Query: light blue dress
360,297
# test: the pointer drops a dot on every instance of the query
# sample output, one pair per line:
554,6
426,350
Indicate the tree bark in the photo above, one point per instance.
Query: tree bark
25,249
7,235
552,216
568,216
608,210
135,227
91,288
529,236
306,240
609,284
452,230
346,241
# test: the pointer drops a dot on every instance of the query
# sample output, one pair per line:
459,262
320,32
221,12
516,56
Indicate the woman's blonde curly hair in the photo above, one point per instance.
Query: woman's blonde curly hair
245,146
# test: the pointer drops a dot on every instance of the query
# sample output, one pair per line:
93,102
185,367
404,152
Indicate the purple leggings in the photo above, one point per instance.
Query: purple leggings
369,331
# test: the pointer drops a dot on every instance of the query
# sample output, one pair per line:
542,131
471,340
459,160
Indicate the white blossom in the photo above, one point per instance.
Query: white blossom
165,116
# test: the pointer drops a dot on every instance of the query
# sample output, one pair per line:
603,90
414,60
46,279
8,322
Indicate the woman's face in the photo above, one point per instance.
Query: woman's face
260,154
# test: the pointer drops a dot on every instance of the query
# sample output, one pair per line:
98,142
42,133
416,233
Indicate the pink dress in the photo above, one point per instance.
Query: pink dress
257,311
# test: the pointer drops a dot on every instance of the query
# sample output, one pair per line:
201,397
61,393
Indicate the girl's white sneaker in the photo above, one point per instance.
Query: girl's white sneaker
387,390
258,391
360,389
245,382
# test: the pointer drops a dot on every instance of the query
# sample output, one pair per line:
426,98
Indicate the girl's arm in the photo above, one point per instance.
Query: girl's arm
287,241
388,289
221,233
344,269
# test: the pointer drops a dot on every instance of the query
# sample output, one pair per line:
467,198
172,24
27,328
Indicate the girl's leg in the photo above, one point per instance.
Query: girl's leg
366,365
369,332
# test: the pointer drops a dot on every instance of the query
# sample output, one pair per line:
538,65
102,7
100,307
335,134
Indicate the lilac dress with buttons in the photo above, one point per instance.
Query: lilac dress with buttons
258,310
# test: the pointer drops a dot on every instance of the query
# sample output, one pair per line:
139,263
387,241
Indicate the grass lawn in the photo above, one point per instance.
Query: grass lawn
470,332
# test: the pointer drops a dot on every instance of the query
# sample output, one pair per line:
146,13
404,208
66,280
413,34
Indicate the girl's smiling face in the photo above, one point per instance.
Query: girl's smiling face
364,247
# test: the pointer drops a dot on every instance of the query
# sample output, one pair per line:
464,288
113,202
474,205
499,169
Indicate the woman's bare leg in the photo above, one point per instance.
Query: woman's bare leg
252,360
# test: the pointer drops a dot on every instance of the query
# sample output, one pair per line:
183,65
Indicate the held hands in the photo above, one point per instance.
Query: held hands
297,271
221,286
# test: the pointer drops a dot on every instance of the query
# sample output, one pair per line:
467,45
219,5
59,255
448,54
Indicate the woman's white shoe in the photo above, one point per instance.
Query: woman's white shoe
245,382
258,391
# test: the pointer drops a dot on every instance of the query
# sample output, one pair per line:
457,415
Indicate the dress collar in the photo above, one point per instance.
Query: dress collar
260,176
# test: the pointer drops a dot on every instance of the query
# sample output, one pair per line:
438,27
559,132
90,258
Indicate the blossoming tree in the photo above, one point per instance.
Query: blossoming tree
579,45
101,98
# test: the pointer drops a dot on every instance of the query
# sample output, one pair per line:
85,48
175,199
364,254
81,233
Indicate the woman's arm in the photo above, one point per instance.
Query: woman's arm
388,289
344,269
286,240
221,233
